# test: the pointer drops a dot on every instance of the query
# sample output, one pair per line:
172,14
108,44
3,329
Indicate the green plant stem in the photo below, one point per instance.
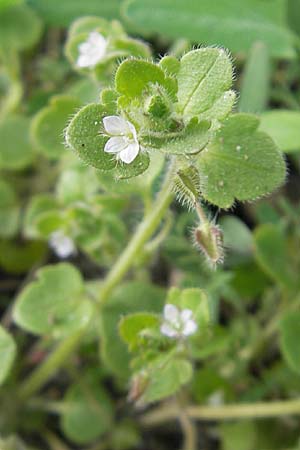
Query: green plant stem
144,231
50,366
226,412
189,431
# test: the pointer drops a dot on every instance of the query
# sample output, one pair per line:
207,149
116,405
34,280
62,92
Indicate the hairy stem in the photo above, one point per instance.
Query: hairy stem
144,231
226,412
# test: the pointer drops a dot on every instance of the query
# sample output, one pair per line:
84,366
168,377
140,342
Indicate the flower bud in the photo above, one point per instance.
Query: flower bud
208,238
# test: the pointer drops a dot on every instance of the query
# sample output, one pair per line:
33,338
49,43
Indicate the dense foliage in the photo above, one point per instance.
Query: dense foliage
149,224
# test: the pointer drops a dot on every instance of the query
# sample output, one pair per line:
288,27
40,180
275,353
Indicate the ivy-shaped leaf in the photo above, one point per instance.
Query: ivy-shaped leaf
131,326
84,137
54,303
9,210
240,163
7,353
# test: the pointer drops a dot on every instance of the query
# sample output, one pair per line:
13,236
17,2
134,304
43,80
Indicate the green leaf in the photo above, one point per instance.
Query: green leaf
89,412
166,379
204,80
131,326
289,339
20,27
271,254
7,353
83,136
191,140
9,210
240,163
47,127
216,23
128,298
238,436
284,127
54,303
137,167
38,205
134,75
16,151
60,13
256,80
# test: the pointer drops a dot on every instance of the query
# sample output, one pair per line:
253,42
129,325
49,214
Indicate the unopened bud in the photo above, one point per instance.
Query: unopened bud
209,239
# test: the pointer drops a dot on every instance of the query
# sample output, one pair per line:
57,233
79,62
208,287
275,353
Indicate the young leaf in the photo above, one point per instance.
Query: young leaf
204,80
47,127
134,75
132,325
240,163
284,127
166,379
90,414
216,22
7,353
289,339
54,303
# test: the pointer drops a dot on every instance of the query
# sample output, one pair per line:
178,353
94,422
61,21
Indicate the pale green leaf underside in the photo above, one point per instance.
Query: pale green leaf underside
240,163
234,26
7,353
205,75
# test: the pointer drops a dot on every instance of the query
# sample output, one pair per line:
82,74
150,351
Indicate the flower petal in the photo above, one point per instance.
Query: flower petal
115,144
190,327
171,313
116,125
130,152
167,330
186,314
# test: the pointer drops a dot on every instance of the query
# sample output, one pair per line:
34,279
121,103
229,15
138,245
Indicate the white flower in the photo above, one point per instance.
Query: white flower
124,140
178,323
92,50
62,245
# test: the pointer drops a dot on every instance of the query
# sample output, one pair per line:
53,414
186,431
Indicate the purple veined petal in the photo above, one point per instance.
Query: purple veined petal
190,327
116,125
171,313
129,153
115,144
186,314
167,330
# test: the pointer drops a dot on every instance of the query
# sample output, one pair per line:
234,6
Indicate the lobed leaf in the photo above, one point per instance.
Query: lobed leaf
54,303
240,163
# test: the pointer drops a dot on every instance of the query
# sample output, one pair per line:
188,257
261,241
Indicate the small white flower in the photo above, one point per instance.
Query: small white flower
123,139
178,323
92,50
62,245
